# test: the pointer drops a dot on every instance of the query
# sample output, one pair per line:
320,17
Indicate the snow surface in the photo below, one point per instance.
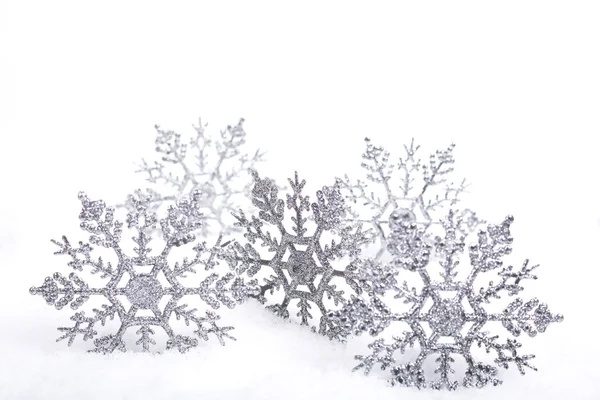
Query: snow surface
515,84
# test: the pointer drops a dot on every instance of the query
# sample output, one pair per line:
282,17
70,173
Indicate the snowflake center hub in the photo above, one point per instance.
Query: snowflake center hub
144,291
447,318
302,267
402,215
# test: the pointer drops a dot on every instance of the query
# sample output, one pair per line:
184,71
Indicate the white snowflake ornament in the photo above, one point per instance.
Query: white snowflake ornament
303,266
453,322
216,165
407,188
143,290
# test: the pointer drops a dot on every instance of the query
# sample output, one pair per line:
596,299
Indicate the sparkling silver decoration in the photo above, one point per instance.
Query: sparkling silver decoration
302,266
413,190
216,166
143,291
458,311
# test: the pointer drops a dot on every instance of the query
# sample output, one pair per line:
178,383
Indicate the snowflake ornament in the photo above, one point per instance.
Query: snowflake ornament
143,291
416,191
458,312
215,166
303,268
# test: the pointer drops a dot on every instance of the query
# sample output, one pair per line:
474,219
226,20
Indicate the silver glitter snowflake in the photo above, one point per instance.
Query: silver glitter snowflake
143,291
457,312
417,191
217,166
302,267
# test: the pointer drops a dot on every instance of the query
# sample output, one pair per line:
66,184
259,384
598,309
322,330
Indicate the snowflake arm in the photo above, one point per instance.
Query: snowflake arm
358,316
519,315
510,282
298,203
493,244
205,325
85,325
445,370
98,220
73,290
507,353
145,340
450,248
77,263
383,354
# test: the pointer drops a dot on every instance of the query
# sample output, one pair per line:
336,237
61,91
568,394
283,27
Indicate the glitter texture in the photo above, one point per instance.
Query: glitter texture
217,166
304,274
143,290
411,190
457,314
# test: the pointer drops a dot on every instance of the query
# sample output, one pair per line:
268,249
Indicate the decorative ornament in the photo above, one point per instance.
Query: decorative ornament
217,167
302,266
413,190
457,313
144,291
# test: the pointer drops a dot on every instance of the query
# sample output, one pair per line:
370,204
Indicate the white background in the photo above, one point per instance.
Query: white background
515,84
